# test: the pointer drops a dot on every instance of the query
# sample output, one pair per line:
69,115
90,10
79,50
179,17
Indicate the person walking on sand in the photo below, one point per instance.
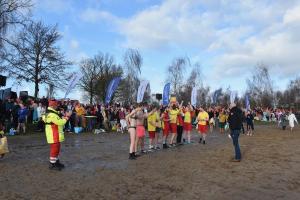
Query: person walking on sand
283,120
54,125
151,120
158,128
292,119
202,118
180,124
250,124
140,129
222,121
211,115
131,121
173,112
187,127
23,112
235,121
122,119
166,126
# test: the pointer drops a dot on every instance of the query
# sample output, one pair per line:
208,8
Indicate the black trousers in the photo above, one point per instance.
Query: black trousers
243,129
179,134
250,126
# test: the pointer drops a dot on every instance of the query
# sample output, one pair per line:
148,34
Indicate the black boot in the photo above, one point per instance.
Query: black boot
136,155
54,166
59,164
131,156
200,140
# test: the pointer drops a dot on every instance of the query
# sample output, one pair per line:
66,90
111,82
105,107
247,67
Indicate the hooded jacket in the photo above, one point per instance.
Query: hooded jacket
54,125
235,118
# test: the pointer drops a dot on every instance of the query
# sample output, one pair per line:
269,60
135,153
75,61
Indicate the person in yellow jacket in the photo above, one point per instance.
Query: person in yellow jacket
222,120
54,125
174,111
202,119
151,119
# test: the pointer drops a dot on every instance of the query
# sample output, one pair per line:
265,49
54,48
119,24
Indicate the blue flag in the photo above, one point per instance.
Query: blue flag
113,85
166,94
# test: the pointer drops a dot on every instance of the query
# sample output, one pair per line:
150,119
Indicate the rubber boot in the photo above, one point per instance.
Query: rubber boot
131,156
54,166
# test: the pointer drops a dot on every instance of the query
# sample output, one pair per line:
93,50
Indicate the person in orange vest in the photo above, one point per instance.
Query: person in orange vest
54,125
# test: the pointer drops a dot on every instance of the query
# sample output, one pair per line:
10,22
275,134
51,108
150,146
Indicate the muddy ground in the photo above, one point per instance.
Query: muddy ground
97,167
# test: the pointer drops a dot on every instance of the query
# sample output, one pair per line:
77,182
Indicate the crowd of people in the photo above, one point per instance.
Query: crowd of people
15,114
175,122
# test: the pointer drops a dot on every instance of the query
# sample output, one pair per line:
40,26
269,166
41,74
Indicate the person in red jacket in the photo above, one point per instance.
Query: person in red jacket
179,127
166,126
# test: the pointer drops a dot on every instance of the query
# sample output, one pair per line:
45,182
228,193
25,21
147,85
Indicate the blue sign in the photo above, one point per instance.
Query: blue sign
166,94
113,85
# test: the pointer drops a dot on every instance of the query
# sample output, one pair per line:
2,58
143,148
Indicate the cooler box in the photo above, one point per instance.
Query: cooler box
77,130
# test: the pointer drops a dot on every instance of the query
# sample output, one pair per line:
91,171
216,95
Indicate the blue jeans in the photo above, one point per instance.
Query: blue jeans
235,139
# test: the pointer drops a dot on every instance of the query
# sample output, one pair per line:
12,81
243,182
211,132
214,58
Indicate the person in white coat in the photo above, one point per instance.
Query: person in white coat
292,119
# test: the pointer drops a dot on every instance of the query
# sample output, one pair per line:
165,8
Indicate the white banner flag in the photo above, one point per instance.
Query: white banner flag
73,82
194,97
141,91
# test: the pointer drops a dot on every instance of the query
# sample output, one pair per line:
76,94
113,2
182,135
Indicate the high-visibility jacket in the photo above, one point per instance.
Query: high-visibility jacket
54,125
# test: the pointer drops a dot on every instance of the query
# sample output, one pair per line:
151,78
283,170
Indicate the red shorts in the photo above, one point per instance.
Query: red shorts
173,128
166,130
187,126
140,131
151,134
202,128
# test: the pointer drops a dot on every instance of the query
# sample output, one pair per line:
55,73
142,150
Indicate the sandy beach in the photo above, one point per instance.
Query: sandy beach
97,167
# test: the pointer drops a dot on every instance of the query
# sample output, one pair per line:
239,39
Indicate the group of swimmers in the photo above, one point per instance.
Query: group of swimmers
174,120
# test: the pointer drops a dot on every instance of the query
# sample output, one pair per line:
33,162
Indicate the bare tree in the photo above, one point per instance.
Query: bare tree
133,62
127,91
12,12
90,73
97,73
203,97
50,91
175,74
147,95
110,71
290,97
194,80
260,87
34,57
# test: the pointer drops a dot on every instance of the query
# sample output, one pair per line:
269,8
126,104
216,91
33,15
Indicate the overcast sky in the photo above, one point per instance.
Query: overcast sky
227,37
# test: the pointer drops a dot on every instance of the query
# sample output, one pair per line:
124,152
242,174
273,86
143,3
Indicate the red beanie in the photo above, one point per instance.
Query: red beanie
53,103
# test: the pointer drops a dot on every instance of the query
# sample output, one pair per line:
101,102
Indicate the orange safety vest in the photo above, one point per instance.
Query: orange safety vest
54,126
